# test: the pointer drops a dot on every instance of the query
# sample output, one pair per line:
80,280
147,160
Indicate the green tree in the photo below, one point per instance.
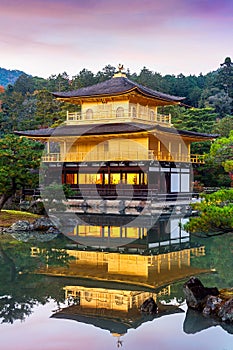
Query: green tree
48,110
150,79
222,153
196,119
221,102
18,158
224,126
106,73
60,82
215,214
225,76
83,79
12,107
24,84
211,174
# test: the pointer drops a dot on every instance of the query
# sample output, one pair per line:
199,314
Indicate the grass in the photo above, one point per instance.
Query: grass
8,217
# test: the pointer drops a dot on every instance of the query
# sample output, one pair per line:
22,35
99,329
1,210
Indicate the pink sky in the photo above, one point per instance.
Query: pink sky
40,332
45,37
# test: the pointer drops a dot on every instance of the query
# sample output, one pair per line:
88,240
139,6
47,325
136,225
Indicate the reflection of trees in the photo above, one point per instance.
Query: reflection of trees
219,257
176,293
20,289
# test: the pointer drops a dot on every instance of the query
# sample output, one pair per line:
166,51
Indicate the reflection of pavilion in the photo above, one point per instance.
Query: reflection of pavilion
115,310
154,257
135,233
152,261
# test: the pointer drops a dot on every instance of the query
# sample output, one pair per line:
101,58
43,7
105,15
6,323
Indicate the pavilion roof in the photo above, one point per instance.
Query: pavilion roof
116,86
113,128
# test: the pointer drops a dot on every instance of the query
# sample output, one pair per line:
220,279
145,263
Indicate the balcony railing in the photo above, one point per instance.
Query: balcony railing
123,156
111,115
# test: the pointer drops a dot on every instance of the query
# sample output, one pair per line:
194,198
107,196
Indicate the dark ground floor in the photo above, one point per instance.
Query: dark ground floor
116,180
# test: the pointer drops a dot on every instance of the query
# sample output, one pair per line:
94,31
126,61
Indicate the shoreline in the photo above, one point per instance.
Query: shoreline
9,217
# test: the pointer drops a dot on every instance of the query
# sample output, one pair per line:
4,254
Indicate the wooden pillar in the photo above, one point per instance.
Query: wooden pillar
180,151
138,116
159,149
170,150
109,182
189,150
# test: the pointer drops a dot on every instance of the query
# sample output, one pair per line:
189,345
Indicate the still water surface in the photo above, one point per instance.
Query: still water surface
62,295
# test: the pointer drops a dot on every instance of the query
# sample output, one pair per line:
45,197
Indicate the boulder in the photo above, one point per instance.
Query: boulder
21,225
42,224
196,294
225,312
210,301
149,306
213,303
24,230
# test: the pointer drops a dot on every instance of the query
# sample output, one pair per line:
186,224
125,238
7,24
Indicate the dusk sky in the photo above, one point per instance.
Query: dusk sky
45,37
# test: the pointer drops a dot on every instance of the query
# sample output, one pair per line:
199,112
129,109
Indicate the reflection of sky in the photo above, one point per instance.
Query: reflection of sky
39,332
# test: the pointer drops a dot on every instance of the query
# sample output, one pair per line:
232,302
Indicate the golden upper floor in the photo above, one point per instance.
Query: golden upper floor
92,113
117,100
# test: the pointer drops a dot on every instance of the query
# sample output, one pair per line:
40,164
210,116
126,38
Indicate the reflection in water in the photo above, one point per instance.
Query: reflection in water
105,285
115,310
196,322
141,232
156,256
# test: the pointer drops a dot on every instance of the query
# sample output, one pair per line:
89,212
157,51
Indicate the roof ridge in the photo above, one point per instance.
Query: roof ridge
116,86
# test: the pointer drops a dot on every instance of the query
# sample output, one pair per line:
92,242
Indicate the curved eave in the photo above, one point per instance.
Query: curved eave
94,96
192,135
34,136
107,129
164,98
170,99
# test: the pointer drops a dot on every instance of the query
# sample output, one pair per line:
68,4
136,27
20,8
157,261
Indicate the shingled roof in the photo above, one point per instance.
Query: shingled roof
116,86
105,129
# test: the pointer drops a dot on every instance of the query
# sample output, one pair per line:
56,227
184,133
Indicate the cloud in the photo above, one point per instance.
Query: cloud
46,35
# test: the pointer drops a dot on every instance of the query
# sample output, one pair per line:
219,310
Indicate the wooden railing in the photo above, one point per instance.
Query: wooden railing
110,115
123,156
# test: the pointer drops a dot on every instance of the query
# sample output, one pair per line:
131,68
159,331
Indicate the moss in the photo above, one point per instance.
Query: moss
8,217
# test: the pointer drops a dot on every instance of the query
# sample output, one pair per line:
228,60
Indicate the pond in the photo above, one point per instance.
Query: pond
83,290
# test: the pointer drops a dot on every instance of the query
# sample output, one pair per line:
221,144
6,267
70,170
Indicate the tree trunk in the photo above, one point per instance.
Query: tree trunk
3,199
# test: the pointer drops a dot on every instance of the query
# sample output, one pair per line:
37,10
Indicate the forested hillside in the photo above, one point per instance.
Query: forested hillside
208,104
8,76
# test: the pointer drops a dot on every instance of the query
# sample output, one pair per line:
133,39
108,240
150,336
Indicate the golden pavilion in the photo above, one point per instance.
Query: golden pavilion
117,144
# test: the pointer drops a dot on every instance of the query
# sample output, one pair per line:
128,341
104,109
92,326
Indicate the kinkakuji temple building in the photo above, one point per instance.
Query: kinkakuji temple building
117,144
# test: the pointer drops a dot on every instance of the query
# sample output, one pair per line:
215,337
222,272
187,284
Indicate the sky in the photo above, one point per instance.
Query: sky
46,37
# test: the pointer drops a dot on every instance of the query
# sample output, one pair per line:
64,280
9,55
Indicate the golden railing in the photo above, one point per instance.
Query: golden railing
111,115
122,156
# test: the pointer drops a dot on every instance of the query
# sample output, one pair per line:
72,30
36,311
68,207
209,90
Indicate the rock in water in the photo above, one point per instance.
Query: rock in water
210,301
196,294
149,306
42,224
212,305
21,225
226,311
